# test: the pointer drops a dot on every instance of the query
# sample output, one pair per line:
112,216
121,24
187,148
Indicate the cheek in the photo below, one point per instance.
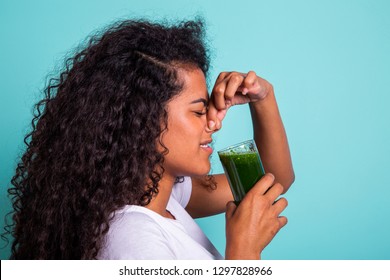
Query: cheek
185,132
176,137
185,126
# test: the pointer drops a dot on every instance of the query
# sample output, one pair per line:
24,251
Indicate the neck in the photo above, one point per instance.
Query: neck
159,203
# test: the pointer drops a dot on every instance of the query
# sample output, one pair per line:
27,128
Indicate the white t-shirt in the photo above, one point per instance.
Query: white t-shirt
139,233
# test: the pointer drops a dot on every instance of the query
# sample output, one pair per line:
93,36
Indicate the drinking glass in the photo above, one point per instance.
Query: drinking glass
242,166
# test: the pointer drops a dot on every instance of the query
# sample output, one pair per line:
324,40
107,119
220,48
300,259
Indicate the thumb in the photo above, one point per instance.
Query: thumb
215,116
212,118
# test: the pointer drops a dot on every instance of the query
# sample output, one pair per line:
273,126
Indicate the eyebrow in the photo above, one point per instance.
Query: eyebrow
204,101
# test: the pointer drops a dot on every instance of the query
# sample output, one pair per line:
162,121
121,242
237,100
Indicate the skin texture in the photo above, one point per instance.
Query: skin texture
187,130
192,119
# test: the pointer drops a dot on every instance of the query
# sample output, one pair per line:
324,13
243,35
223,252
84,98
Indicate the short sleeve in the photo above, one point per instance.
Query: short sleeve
136,236
181,191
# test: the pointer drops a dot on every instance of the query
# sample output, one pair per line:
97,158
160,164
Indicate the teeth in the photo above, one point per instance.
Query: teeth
203,145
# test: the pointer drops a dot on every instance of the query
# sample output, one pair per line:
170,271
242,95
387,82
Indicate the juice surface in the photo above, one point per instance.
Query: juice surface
243,171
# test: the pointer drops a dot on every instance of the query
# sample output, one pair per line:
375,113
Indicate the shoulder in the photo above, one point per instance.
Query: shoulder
136,235
133,219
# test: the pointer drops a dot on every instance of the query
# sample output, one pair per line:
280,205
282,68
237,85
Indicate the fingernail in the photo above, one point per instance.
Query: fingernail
271,175
218,125
211,124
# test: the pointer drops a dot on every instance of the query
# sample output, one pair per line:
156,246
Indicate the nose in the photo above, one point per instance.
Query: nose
211,127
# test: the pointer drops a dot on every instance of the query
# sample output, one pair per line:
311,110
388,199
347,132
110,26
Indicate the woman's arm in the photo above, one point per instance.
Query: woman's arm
232,88
205,201
271,139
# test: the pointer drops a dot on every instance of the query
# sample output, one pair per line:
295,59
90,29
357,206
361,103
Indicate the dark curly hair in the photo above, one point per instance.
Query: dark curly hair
95,137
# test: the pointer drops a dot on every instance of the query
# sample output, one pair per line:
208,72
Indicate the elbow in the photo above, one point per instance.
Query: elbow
288,182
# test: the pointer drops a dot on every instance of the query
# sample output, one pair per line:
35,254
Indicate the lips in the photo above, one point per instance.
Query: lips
205,145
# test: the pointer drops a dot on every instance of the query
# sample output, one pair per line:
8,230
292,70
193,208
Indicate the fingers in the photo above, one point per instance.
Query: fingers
282,221
265,187
262,186
225,88
224,94
280,205
214,117
221,98
221,76
274,192
230,209
218,95
257,214
248,82
233,84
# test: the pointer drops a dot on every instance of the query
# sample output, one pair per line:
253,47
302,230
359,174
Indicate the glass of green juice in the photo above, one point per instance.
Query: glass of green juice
242,166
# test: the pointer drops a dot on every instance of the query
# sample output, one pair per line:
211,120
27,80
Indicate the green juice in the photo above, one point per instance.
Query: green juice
243,170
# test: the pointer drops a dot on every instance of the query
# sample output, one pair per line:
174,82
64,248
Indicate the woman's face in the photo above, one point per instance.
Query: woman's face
188,138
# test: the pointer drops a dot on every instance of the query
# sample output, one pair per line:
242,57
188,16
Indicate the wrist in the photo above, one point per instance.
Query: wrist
241,256
237,253
266,102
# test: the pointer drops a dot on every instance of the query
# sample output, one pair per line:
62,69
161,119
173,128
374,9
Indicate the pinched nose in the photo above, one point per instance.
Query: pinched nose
213,126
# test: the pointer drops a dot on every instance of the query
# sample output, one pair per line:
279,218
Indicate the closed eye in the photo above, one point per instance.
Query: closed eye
200,113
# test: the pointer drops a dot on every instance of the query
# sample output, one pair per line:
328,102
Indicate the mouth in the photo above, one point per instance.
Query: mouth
206,146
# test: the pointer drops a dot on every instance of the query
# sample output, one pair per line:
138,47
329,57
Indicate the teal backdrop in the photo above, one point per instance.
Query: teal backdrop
329,62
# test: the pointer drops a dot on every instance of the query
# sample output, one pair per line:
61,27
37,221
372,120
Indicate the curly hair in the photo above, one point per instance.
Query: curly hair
94,142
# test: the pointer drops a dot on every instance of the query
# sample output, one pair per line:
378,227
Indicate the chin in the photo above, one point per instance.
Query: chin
201,169
206,170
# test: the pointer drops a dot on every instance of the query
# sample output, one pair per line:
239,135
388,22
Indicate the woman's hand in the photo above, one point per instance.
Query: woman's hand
252,225
233,88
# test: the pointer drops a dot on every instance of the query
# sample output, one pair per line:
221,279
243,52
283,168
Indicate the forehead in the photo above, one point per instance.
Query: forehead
194,84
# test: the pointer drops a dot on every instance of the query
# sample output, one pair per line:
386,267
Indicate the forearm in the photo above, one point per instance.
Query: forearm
271,139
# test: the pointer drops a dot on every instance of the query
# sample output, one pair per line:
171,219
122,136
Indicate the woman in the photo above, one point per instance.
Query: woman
116,165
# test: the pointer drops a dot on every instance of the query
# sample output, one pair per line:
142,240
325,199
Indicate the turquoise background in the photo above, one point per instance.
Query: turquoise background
329,62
